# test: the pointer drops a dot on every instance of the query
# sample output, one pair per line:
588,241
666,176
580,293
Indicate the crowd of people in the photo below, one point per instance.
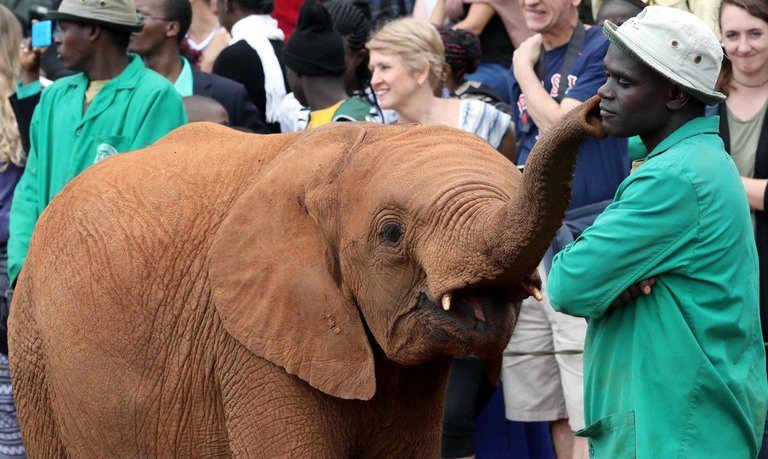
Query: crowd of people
661,264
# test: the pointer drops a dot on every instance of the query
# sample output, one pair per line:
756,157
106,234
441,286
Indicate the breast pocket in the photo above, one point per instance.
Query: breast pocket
108,145
612,437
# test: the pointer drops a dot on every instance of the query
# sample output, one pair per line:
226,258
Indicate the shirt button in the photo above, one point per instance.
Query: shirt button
78,132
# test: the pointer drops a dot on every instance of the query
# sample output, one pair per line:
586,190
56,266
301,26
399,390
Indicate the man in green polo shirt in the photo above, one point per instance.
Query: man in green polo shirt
680,370
112,106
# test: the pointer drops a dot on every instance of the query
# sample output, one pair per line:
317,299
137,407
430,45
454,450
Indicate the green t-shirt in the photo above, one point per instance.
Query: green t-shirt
184,83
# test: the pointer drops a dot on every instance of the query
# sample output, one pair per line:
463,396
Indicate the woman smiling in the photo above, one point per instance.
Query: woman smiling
743,124
406,62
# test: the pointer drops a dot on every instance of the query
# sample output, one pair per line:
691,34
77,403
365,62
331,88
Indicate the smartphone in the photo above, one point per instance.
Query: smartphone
42,32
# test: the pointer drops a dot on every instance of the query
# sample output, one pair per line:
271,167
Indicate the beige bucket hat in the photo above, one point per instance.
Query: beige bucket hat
114,14
676,44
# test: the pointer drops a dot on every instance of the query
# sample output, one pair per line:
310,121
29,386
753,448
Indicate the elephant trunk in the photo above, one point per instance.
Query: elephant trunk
528,223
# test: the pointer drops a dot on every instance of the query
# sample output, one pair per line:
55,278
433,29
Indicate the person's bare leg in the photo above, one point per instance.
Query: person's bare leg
580,448
562,438
567,445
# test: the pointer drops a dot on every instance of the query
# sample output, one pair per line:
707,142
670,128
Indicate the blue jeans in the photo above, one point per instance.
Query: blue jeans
496,76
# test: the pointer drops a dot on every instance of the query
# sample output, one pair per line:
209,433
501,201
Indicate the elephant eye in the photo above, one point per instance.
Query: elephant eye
391,231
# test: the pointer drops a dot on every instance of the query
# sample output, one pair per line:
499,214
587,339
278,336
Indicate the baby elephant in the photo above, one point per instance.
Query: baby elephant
221,293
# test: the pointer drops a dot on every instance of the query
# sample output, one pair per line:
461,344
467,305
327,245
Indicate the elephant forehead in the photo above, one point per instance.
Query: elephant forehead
431,161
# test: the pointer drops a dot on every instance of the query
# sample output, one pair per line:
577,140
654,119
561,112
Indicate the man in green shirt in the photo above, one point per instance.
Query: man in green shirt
113,105
680,370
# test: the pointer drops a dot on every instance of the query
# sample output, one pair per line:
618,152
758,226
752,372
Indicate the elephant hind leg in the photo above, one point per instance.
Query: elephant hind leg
30,386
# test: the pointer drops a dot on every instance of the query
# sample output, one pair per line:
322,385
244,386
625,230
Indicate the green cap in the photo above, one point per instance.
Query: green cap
113,14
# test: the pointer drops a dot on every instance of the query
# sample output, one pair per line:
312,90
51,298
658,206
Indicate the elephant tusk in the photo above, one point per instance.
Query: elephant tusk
446,301
533,291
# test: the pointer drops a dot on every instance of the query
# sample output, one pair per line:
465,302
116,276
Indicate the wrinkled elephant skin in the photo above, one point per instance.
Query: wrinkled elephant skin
221,293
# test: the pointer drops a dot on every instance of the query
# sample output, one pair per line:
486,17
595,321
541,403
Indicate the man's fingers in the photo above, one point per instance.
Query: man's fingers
626,296
647,285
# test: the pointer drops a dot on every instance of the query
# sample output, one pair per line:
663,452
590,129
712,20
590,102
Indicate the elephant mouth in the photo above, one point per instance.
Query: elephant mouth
474,312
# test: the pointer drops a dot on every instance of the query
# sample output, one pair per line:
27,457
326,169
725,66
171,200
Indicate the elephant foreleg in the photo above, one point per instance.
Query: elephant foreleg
269,413
31,392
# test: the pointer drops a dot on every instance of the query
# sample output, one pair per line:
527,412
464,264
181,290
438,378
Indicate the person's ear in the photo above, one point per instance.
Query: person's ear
172,28
92,32
357,57
422,73
678,98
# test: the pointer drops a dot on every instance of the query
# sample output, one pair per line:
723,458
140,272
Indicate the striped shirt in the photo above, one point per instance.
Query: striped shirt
483,120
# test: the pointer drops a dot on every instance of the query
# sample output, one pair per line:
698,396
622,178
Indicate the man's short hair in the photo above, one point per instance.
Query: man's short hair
120,37
181,12
257,6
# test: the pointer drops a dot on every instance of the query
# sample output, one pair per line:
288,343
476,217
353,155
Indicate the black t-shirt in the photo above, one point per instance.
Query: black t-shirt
495,43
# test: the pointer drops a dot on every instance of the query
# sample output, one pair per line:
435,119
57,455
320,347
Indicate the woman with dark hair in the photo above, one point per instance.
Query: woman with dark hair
743,122
353,25
354,28
462,57
500,26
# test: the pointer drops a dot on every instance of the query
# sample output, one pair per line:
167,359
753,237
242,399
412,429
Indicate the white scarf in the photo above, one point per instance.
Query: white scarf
257,30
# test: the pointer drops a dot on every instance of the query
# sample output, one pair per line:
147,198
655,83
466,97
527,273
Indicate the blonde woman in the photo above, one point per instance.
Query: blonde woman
11,152
11,167
406,62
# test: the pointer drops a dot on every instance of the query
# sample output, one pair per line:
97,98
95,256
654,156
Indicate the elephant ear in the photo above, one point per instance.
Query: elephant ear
272,283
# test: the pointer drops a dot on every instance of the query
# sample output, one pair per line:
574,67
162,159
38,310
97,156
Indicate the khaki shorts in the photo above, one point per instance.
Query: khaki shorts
543,371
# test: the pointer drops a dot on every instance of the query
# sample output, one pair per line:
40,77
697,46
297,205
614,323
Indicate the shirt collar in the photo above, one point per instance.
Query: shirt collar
700,125
126,80
185,81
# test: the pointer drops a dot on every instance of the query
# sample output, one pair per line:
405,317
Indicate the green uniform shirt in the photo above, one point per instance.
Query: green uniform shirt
133,110
679,373
26,90
185,82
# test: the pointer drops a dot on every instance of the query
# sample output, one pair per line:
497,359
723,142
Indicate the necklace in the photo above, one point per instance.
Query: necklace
749,85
